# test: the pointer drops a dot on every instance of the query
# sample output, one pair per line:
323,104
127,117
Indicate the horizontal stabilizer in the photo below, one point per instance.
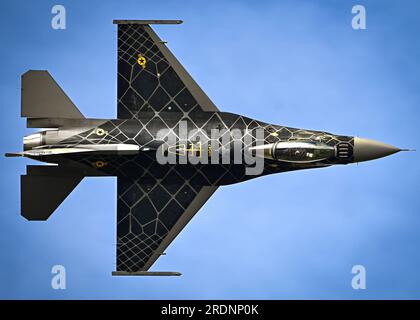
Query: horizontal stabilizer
41,192
42,97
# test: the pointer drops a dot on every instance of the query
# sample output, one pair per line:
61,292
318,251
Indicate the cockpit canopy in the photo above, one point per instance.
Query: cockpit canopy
297,152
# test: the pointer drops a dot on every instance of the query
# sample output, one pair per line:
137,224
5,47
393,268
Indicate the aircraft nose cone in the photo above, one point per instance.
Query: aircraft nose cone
367,149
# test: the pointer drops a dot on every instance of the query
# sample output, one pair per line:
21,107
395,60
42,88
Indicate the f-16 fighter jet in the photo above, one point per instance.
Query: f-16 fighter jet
170,147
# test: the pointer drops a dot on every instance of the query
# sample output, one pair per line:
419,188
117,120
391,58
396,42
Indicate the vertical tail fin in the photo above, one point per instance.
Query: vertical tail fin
42,97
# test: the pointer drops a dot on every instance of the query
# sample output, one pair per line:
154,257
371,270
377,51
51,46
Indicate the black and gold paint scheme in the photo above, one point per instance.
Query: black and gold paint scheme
154,201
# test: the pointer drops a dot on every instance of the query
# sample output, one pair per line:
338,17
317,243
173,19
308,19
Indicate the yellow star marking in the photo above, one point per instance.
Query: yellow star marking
100,132
141,61
100,164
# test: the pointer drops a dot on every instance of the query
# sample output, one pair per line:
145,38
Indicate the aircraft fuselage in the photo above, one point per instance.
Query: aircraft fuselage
195,138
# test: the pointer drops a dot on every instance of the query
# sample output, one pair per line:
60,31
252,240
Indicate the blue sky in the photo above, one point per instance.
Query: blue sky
294,235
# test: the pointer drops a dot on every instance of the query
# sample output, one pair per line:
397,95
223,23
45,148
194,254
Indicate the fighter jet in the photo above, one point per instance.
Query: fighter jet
170,147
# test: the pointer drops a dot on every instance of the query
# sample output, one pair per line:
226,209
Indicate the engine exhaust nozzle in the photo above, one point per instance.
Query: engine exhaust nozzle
33,140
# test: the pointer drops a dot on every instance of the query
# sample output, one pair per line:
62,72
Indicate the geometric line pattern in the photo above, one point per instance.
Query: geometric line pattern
146,213
151,87
152,197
